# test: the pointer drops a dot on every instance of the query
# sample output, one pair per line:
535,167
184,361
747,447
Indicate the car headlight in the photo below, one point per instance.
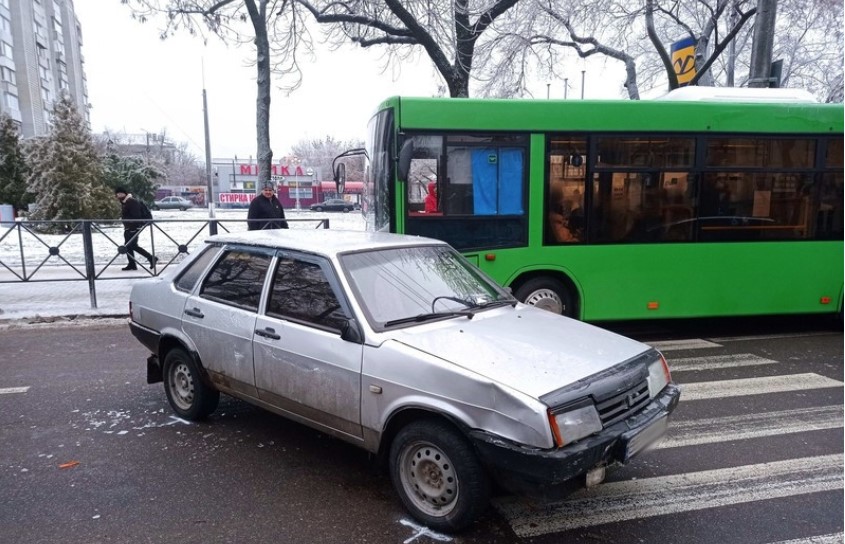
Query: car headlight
658,376
574,421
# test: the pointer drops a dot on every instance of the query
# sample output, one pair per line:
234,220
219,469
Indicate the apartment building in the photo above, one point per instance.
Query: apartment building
40,59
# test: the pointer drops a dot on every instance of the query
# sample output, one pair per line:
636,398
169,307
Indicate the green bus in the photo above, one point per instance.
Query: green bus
610,210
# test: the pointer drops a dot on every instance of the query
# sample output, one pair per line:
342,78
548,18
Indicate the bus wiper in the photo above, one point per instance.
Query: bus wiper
427,317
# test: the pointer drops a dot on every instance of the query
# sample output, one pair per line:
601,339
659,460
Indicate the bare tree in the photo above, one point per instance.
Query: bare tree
276,28
318,154
449,31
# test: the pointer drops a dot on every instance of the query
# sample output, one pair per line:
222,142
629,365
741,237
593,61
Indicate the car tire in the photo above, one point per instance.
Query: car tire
347,210
186,392
318,209
182,208
438,476
155,208
547,294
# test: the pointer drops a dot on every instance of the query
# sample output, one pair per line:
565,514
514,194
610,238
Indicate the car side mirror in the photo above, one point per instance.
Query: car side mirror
351,331
405,156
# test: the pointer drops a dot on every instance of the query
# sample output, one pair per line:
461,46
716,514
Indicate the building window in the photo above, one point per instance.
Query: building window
6,49
8,75
12,101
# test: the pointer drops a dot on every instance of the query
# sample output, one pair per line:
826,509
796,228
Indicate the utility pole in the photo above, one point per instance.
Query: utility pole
210,189
762,44
730,69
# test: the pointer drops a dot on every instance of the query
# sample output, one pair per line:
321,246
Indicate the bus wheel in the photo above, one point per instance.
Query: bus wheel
547,294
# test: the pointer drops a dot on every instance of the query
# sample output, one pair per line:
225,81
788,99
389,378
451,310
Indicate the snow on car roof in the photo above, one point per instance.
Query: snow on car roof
325,241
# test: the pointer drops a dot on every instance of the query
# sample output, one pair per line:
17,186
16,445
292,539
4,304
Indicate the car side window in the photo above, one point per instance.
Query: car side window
302,292
188,278
237,279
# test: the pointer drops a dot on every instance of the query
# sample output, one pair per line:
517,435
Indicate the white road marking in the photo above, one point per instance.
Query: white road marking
622,501
770,336
741,427
755,386
674,345
422,531
821,539
716,362
9,390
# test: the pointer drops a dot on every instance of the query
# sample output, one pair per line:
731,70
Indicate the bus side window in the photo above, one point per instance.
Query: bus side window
423,176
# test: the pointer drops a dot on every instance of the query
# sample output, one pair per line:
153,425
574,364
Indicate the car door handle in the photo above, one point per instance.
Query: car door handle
268,333
195,313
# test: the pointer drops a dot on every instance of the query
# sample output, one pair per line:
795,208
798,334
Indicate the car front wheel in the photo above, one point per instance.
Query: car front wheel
438,476
189,397
318,209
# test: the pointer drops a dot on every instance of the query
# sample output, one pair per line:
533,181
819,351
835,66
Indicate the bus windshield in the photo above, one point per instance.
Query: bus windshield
378,172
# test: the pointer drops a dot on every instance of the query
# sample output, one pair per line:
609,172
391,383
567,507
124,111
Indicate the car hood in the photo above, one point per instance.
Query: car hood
532,351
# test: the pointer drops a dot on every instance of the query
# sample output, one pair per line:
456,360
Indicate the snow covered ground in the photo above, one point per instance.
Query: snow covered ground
58,291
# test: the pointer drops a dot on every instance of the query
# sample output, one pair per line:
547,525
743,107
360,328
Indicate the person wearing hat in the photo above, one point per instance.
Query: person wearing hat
132,212
265,211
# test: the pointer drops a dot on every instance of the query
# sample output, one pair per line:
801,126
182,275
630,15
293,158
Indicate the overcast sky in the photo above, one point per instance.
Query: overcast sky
138,83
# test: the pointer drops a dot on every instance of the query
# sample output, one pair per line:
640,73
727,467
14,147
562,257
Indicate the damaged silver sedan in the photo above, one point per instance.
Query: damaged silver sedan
399,345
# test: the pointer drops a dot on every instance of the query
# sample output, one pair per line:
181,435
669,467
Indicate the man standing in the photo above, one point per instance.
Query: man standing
266,206
132,212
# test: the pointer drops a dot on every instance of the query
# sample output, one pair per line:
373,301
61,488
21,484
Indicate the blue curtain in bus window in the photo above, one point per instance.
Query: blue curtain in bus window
510,181
485,170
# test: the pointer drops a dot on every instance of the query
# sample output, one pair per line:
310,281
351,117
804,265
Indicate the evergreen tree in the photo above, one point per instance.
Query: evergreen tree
133,173
12,166
66,174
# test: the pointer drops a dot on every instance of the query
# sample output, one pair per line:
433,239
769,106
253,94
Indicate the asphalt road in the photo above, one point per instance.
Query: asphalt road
90,453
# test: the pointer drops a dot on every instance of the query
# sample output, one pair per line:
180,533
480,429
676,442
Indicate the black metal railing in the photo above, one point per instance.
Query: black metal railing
91,250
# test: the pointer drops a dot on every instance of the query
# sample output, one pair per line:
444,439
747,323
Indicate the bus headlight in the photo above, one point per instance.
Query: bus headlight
574,421
658,376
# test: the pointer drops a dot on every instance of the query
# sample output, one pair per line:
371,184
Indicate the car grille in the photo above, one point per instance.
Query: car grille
623,405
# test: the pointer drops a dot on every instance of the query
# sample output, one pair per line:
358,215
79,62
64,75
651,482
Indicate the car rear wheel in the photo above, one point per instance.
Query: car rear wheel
438,476
189,397
547,294
347,210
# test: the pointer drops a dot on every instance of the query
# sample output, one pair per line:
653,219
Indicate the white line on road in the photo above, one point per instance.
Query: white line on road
674,345
821,539
742,427
8,390
717,361
770,336
755,386
636,499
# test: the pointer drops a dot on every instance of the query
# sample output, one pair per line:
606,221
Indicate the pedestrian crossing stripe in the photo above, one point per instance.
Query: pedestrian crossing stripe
674,345
648,497
755,386
821,539
745,426
717,362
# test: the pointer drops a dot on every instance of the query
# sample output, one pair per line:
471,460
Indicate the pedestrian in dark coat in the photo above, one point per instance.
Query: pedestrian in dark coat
266,206
132,214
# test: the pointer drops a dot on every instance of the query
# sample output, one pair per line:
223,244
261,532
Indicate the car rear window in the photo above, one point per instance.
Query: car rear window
188,278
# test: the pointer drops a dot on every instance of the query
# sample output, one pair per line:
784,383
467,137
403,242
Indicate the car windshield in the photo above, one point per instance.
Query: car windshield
413,284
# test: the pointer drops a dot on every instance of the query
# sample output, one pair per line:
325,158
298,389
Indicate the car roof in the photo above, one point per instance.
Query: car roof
323,241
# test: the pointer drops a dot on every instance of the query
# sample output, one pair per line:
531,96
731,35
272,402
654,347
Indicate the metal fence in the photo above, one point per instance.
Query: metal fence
92,251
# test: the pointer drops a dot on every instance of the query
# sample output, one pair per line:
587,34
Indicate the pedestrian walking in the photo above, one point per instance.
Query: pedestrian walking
133,212
268,208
